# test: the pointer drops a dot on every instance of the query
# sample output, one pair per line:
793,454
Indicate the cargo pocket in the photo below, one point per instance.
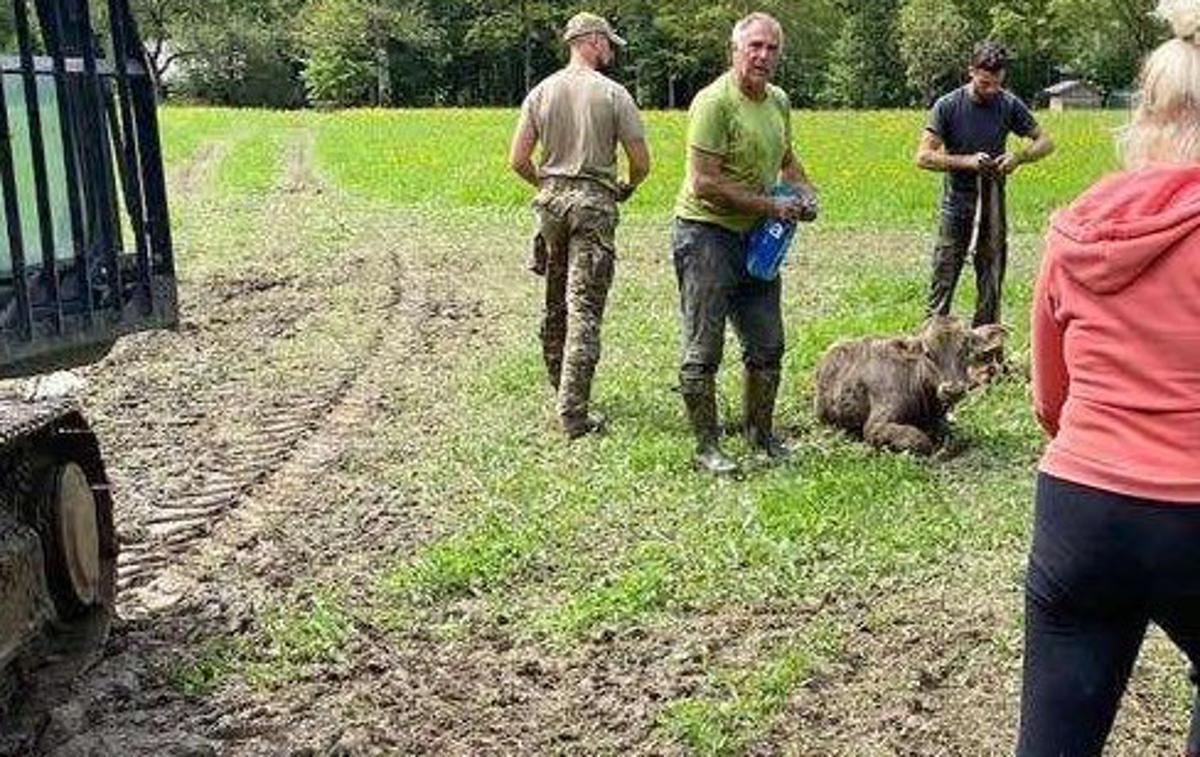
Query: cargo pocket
536,262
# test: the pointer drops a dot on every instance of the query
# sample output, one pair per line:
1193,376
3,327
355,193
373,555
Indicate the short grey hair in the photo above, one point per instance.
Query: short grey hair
741,28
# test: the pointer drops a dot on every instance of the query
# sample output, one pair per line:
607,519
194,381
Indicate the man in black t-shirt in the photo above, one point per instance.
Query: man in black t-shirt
965,137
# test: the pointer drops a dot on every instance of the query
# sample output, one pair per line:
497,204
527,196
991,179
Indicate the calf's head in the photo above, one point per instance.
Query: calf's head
954,349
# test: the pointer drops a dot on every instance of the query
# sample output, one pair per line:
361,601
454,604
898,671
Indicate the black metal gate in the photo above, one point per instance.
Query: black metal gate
86,253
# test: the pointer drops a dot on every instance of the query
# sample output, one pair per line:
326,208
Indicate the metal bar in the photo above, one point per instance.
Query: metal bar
37,149
42,64
145,102
52,31
12,216
115,170
101,160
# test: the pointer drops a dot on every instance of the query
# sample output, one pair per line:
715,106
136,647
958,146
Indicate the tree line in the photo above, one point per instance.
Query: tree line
838,53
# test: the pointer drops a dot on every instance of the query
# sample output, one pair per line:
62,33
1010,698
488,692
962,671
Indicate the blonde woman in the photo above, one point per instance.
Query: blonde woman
1116,384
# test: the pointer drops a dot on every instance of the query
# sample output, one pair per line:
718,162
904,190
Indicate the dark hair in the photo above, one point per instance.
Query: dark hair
990,56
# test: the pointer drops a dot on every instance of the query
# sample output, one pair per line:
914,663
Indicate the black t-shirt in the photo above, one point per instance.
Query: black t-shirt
967,127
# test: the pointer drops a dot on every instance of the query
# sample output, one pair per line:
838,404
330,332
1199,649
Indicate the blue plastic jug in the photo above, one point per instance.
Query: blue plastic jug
769,240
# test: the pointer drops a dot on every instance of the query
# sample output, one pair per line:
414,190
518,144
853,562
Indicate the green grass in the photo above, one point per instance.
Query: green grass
863,162
616,530
288,641
745,701
557,543
253,164
182,131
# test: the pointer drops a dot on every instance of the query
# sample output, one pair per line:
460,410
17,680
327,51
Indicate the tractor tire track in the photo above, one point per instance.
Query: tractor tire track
222,436
190,179
235,460
230,475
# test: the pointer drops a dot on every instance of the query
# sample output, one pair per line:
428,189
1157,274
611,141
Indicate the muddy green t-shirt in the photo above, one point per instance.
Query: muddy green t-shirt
751,137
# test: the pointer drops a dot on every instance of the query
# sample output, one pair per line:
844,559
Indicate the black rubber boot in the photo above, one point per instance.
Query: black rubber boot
701,402
758,408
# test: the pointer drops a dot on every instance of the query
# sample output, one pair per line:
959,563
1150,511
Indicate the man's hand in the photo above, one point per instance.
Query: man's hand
786,208
980,162
802,207
1008,162
811,205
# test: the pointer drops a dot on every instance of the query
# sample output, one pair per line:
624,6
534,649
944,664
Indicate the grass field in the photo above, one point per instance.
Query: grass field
862,163
845,602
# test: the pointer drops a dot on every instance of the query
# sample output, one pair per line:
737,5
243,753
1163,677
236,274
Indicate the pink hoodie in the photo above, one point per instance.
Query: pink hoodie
1116,336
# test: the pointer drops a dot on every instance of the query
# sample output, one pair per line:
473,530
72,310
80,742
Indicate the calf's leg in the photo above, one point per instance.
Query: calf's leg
880,431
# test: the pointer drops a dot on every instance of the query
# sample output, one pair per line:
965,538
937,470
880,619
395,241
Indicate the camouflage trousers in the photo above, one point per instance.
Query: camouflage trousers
975,224
710,268
577,220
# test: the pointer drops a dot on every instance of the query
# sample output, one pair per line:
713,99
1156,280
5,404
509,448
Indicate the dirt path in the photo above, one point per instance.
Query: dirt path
190,179
226,466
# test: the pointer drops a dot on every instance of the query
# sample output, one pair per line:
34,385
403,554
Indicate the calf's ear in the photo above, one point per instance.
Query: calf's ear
989,336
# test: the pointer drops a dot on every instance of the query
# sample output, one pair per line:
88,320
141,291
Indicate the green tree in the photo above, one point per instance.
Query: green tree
1034,38
1105,40
157,22
865,69
686,46
350,47
934,42
504,48
237,52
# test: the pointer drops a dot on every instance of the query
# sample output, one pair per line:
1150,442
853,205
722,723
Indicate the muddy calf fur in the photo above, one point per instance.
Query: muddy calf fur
894,392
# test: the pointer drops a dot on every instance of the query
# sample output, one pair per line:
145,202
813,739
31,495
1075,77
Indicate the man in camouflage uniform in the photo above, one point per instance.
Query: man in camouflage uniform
578,116
739,146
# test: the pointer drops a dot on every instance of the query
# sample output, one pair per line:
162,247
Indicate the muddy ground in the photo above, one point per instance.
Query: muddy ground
242,448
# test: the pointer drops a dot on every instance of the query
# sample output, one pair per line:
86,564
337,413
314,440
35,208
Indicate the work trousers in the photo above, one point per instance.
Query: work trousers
577,222
710,268
974,223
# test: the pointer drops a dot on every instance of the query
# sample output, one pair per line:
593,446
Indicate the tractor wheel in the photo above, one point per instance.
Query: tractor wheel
80,577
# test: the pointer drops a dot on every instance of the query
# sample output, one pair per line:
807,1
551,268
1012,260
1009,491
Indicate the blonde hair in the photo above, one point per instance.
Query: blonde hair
1166,123
741,28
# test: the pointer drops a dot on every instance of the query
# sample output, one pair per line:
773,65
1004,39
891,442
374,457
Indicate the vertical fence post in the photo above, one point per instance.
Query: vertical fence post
53,32
37,150
12,217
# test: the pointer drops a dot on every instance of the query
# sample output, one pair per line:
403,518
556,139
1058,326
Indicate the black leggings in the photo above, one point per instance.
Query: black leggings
1102,566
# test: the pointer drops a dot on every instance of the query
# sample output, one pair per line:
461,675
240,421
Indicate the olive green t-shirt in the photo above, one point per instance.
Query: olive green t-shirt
751,136
579,116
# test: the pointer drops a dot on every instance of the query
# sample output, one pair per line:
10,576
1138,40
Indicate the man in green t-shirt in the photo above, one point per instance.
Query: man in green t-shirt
739,146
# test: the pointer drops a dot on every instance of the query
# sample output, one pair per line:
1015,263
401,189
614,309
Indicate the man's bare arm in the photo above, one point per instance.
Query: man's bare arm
520,154
932,156
1041,146
638,153
793,173
711,183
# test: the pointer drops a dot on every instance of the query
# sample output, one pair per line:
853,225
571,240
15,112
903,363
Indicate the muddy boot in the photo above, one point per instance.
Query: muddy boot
592,423
701,405
758,408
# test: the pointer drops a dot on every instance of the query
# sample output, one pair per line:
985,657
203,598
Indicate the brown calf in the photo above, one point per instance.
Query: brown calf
894,393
